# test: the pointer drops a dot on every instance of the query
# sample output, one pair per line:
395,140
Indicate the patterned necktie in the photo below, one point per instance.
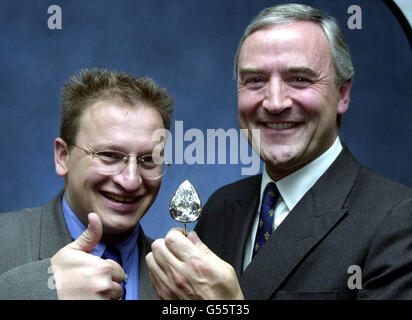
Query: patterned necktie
114,254
267,214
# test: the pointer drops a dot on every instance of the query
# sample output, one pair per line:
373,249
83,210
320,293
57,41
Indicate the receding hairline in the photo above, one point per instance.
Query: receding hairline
294,68
284,23
290,13
119,102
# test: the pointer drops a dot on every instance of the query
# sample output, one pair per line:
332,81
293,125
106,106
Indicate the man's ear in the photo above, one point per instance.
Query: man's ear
344,97
60,157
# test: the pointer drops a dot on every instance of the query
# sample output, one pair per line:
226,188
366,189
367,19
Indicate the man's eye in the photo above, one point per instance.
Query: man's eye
148,162
256,79
110,156
254,82
147,159
300,81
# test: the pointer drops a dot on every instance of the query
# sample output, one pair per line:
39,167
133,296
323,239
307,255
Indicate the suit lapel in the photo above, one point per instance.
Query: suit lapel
291,241
305,226
146,291
54,234
238,222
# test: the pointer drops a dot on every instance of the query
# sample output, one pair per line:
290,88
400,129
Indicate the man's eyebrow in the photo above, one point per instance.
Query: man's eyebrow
304,70
248,70
297,69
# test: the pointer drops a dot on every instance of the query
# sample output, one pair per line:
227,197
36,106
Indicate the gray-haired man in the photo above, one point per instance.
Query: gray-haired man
316,224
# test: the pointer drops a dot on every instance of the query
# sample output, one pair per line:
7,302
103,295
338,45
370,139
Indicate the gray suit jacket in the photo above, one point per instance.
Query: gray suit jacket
351,216
29,238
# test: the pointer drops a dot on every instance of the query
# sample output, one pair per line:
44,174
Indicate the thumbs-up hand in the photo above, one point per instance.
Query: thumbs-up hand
185,268
81,275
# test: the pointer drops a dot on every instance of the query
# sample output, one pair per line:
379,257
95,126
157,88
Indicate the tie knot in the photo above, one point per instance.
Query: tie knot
112,253
271,194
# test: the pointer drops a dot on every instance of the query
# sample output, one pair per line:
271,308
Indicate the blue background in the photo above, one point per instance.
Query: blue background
187,46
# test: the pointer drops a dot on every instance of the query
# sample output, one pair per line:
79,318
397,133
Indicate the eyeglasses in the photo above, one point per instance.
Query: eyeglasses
112,162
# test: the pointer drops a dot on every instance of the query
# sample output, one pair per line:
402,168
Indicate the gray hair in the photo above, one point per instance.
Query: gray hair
299,12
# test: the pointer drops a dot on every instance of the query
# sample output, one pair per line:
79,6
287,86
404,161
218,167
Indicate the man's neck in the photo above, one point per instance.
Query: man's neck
277,173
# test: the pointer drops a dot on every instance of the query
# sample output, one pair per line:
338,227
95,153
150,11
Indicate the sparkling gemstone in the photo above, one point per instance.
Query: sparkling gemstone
185,205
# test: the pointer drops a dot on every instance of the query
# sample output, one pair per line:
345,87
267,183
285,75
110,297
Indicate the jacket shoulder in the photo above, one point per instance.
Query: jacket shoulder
374,186
237,189
19,234
220,202
15,222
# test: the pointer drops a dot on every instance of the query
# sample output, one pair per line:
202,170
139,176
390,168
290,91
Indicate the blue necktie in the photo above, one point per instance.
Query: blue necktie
267,214
114,254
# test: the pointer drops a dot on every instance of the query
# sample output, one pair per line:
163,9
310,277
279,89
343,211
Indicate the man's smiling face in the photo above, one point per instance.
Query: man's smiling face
120,199
287,89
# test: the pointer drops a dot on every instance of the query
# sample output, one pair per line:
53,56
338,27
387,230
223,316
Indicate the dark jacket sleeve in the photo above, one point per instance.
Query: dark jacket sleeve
388,265
23,275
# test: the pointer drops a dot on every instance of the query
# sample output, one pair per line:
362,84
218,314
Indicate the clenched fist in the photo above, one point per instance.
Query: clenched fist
185,268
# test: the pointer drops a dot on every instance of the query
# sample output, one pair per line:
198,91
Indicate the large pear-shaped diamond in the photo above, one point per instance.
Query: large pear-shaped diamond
185,205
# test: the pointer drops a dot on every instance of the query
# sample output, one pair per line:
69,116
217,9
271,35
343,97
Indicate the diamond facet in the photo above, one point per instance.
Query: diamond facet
185,205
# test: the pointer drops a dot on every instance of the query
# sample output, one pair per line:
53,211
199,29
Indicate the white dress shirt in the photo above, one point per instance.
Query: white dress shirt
291,188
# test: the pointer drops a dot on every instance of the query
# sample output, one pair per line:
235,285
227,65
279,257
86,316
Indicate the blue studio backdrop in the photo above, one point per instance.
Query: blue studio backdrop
187,46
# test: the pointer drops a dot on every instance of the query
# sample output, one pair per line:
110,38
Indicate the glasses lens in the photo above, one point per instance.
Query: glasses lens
152,168
111,162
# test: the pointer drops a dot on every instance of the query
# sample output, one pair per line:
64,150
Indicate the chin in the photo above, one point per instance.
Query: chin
279,156
120,223
280,163
119,232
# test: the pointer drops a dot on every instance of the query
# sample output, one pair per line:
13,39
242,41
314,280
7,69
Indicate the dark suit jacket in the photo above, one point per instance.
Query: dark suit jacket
29,238
351,216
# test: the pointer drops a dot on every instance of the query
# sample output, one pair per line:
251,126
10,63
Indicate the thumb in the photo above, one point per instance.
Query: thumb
90,237
192,236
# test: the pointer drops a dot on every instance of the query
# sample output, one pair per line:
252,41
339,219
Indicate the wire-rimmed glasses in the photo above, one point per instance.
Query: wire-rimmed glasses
111,162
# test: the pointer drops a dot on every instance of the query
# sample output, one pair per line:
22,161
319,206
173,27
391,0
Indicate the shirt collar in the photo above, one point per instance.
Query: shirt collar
293,187
76,228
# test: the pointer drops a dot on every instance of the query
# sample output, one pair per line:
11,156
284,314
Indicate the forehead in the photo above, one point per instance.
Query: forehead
111,122
298,42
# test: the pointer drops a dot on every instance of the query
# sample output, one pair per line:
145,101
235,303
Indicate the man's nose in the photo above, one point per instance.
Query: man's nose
277,97
129,178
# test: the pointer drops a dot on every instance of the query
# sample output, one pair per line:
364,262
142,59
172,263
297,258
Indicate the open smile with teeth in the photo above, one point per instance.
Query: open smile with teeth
117,198
281,125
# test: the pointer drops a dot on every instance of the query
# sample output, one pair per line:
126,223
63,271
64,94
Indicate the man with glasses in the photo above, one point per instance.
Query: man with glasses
87,243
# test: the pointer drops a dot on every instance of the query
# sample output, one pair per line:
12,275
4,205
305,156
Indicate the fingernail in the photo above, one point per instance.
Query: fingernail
193,237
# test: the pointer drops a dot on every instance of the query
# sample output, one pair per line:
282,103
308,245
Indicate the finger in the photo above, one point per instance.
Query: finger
192,236
161,269
155,269
165,259
156,286
116,292
159,280
118,274
162,291
91,237
203,249
180,246
156,274
181,230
